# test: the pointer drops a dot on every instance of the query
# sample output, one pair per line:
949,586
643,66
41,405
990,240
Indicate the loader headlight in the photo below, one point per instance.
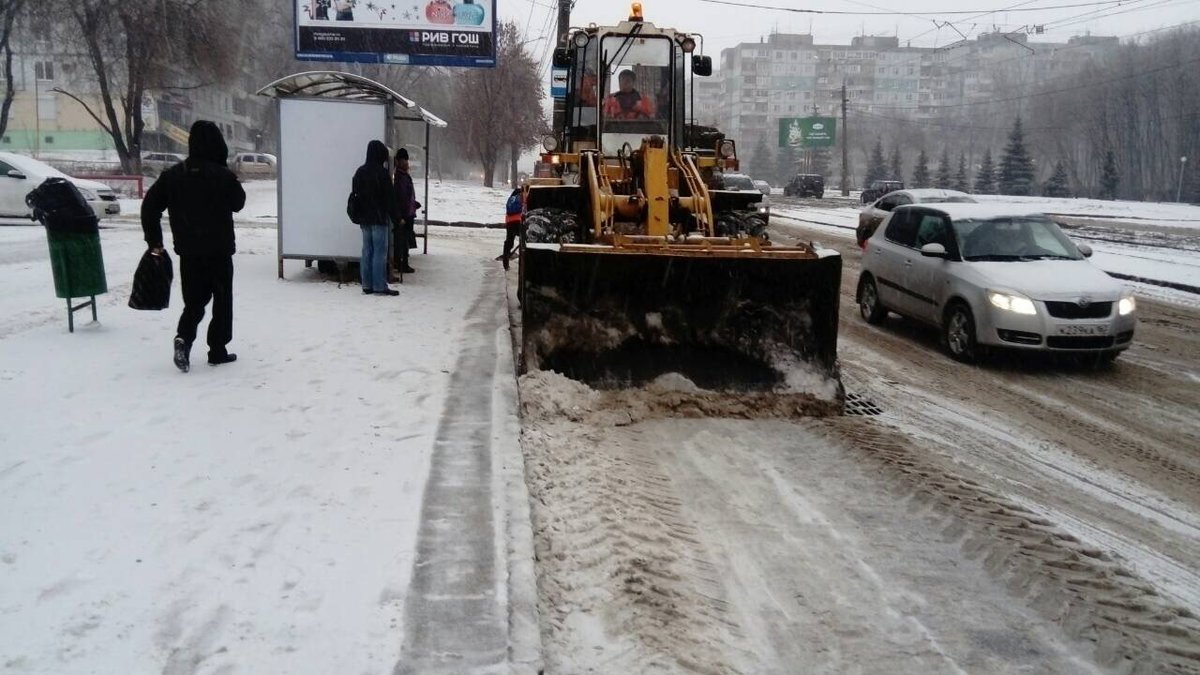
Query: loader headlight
581,39
687,44
1012,302
726,149
1127,305
549,143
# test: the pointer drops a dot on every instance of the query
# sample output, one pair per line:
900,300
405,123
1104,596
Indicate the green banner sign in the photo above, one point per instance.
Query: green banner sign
807,132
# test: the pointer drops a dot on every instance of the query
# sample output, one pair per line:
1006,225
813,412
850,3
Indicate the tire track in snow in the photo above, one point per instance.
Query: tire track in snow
1084,589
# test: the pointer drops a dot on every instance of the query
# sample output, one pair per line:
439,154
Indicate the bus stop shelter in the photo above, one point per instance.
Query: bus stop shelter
326,118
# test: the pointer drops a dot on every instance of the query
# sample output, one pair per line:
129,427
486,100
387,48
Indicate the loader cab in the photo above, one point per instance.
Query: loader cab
626,83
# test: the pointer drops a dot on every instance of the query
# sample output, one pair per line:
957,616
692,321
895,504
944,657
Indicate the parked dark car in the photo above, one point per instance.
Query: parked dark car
805,185
880,188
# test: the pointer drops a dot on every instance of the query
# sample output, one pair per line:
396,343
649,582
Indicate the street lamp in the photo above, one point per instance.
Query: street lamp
1179,187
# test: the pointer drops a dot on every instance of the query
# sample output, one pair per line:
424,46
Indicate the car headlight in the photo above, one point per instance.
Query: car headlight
1011,302
763,209
88,195
1127,305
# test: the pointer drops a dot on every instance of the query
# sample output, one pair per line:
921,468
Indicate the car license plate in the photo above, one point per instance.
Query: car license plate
1085,329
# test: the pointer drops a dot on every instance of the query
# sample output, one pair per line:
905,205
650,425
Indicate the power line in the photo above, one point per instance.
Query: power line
797,10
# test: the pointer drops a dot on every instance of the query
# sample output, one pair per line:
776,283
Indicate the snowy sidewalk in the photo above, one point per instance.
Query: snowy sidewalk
274,515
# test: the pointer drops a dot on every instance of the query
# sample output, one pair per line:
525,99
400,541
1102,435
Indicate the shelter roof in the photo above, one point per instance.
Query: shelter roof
347,86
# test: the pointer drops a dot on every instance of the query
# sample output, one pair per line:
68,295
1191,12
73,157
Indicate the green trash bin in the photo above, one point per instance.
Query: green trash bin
73,234
77,263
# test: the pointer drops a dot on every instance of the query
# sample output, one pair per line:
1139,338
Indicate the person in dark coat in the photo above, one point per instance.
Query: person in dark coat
200,195
404,237
379,208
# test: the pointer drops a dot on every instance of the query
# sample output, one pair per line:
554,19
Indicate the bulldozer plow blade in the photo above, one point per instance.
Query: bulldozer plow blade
729,321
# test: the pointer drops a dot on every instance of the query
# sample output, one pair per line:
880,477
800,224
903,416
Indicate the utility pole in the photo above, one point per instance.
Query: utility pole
845,147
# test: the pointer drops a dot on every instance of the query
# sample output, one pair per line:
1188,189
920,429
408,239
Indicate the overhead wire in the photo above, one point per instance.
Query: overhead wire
926,14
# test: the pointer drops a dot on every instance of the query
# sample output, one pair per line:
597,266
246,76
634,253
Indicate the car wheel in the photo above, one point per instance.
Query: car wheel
958,333
869,306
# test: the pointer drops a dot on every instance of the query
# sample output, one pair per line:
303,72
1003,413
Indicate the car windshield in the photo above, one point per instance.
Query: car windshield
736,182
1013,239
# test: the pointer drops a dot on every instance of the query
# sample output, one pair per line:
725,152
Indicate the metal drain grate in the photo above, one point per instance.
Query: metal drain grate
856,404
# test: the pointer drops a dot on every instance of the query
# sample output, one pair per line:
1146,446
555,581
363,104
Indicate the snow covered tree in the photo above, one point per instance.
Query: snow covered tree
761,161
895,166
820,162
877,167
921,171
1110,180
961,182
985,179
1016,167
1057,185
944,177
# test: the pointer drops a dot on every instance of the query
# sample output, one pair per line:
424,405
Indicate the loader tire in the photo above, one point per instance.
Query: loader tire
728,224
756,226
552,226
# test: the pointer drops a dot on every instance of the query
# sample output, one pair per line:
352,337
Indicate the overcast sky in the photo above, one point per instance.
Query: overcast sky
726,25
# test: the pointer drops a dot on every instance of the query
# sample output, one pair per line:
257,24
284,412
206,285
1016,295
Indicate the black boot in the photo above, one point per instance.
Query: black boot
218,359
182,359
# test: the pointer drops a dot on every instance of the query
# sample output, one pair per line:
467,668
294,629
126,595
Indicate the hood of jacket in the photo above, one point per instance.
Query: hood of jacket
377,153
206,142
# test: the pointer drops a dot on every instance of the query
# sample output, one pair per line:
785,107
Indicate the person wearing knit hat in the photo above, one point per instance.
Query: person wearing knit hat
403,237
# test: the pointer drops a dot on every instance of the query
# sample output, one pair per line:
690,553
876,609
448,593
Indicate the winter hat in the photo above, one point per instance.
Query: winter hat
402,154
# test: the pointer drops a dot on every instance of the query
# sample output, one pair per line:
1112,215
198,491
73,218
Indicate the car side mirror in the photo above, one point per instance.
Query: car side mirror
13,173
1085,250
702,65
934,250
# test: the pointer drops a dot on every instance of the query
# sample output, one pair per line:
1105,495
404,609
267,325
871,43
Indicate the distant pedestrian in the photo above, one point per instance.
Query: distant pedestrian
514,208
200,195
378,208
404,238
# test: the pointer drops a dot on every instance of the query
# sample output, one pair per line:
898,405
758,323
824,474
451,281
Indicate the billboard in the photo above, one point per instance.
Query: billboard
807,132
408,32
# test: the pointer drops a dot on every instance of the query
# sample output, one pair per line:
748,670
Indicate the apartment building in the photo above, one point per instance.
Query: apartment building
788,75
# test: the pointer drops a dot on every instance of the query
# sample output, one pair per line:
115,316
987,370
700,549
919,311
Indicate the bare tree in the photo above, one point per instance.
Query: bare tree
136,47
499,108
8,16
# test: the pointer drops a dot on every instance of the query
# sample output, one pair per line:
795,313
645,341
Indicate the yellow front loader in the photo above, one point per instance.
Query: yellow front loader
636,263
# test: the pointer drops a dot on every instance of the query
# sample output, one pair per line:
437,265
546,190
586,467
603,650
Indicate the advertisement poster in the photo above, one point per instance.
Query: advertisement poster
429,32
807,132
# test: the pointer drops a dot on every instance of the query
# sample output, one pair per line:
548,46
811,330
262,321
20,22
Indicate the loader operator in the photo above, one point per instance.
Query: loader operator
628,103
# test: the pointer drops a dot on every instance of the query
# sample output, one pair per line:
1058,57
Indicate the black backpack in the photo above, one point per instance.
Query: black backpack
354,207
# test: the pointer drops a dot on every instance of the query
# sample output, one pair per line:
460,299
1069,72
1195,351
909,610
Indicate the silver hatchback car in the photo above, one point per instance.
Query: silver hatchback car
993,276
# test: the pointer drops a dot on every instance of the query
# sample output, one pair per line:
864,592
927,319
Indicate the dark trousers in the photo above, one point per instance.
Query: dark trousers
205,278
402,235
511,231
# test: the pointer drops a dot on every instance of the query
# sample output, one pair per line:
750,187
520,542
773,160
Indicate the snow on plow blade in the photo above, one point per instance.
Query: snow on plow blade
729,320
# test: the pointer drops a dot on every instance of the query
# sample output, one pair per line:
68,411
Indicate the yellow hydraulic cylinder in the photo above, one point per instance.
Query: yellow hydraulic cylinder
656,189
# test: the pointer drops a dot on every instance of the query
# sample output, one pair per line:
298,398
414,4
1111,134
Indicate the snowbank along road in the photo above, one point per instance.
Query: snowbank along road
1012,517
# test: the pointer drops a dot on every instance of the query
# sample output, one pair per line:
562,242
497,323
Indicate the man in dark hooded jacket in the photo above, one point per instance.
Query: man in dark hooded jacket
199,195
377,210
